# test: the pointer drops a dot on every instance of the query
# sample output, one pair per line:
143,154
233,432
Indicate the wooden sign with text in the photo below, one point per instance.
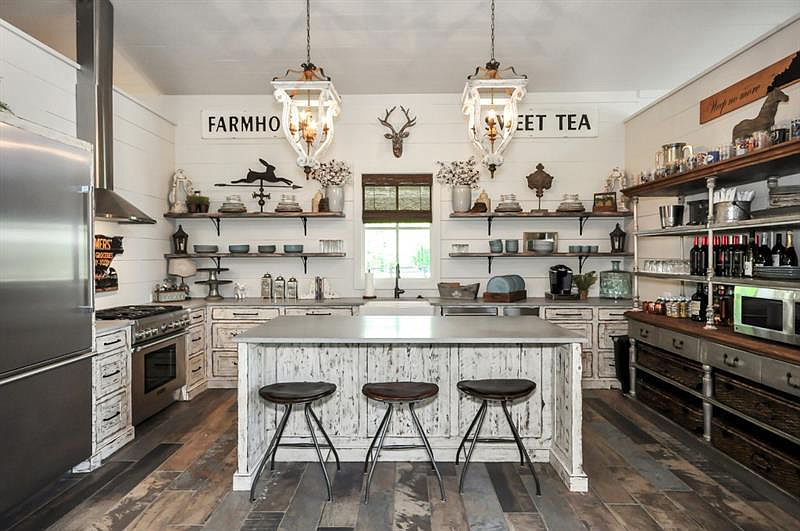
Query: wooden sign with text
781,74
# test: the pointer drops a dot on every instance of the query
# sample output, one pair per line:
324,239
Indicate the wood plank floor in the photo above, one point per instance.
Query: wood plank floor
644,473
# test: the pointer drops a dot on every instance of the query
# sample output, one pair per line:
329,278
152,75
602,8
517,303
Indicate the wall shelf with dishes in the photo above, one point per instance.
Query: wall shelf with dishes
582,257
217,257
582,217
217,217
787,220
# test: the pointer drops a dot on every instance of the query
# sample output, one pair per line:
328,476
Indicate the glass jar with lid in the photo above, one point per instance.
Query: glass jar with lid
616,283
266,286
291,288
279,288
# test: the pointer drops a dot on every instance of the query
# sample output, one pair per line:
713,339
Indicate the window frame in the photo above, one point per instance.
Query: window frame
396,229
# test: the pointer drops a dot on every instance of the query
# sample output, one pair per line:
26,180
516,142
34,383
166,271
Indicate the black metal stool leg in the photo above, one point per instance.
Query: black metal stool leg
466,435
427,448
273,444
279,435
327,439
521,446
319,453
378,452
472,447
374,440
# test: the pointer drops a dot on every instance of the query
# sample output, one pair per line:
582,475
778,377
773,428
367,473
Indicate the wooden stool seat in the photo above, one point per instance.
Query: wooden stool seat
497,389
400,391
296,392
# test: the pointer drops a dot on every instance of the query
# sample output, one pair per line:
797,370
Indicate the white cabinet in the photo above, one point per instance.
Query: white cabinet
196,373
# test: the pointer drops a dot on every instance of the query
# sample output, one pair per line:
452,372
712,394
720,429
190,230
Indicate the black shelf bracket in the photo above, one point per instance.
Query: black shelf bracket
581,261
216,222
305,226
581,222
305,261
490,262
489,231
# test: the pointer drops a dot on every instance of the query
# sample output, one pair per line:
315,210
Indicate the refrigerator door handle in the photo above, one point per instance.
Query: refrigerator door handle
89,203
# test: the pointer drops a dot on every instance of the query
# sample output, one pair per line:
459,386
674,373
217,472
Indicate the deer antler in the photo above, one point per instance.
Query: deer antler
410,122
385,120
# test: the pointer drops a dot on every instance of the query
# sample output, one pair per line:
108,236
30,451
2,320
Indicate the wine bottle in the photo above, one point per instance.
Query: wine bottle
703,257
750,256
735,257
698,304
778,250
693,256
789,257
764,251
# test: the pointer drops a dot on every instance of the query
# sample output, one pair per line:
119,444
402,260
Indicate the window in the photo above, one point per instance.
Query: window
397,225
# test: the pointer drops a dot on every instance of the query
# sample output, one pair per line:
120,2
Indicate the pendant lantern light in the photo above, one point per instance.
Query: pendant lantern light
310,103
490,102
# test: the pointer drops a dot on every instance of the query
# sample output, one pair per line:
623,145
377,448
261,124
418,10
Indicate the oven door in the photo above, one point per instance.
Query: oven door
767,313
159,370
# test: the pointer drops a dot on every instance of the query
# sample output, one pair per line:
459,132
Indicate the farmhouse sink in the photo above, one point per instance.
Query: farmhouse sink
397,307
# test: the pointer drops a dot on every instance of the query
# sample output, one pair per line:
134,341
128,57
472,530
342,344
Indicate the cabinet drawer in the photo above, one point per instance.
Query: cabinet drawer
586,361
606,367
111,372
197,316
608,314
680,344
759,403
606,330
642,332
319,311
111,416
734,361
224,363
112,341
196,371
585,329
222,334
247,314
675,368
197,339
781,376
568,314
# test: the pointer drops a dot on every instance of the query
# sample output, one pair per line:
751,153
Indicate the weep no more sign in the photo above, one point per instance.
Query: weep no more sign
557,121
240,124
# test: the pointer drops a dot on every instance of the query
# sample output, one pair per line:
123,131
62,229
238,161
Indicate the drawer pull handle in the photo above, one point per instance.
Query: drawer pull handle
677,344
107,343
236,363
761,463
112,417
252,314
319,313
730,362
643,332
792,382
109,375
569,314
196,339
197,369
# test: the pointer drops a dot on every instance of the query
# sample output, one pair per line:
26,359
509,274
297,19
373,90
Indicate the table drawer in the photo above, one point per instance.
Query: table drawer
224,363
197,316
781,376
196,371
319,311
609,314
606,330
606,367
568,314
681,344
247,314
675,368
112,341
111,372
734,361
759,403
585,329
642,332
222,334
111,416
197,339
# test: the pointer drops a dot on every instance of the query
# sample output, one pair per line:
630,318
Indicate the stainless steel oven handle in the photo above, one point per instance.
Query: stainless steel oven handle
161,341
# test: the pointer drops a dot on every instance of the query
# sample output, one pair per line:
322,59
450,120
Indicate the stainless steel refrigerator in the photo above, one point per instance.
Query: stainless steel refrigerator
46,299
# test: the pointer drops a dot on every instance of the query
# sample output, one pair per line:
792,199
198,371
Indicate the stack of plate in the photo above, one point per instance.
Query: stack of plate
777,272
288,203
570,206
508,203
232,207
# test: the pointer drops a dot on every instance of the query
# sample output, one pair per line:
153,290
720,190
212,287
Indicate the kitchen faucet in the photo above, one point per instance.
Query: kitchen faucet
397,290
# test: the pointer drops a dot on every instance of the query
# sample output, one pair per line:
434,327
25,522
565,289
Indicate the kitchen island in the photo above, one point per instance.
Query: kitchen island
351,351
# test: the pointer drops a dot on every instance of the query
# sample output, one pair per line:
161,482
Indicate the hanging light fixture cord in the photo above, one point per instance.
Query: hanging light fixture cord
308,31
492,34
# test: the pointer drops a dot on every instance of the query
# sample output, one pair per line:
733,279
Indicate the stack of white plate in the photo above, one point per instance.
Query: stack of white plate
288,203
571,206
508,203
232,207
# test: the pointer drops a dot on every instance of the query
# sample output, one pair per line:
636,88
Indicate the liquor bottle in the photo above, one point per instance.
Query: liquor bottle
698,304
789,257
764,251
778,250
718,258
694,254
750,256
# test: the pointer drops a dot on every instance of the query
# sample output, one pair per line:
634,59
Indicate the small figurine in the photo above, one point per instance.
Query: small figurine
315,201
239,291
484,198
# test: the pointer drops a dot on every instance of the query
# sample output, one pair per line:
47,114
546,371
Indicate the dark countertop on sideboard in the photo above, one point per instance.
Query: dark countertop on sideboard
725,336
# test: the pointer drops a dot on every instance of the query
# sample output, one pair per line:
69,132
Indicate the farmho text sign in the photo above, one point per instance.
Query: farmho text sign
240,124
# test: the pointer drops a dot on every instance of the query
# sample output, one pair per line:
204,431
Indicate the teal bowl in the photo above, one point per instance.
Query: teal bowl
292,248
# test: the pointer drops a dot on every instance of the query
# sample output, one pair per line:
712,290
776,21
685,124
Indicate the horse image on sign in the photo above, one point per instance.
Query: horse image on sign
766,116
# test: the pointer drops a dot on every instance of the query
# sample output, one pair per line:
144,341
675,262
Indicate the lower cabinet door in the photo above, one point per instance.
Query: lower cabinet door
605,364
196,371
111,416
224,364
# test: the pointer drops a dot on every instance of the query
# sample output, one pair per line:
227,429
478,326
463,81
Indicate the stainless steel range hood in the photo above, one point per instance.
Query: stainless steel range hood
95,112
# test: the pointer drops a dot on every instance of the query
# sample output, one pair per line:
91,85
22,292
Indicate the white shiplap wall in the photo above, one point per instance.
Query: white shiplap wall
38,84
676,118
579,166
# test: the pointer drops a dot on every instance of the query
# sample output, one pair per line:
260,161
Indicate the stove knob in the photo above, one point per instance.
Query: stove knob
164,327
138,335
151,332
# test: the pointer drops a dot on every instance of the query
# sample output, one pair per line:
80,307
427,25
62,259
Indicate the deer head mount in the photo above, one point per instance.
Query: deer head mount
397,136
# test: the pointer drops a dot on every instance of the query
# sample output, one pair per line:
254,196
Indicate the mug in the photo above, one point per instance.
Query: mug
496,246
512,246
712,156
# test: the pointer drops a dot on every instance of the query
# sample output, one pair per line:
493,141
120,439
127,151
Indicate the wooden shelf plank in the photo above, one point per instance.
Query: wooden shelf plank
254,215
533,215
537,255
257,255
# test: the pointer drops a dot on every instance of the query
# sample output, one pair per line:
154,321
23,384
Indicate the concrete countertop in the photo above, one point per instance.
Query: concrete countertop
258,301
535,301
106,327
407,329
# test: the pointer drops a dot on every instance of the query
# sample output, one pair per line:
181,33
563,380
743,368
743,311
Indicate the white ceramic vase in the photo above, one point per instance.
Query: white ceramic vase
462,198
335,195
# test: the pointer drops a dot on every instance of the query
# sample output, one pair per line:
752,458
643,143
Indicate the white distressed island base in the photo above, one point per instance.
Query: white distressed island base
352,351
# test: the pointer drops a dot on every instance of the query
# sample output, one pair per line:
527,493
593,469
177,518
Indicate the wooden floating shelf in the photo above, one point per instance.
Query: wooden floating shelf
774,161
582,257
729,281
217,257
582,217
217,217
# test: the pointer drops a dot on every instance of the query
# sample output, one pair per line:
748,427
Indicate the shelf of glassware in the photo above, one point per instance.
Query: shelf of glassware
729,281
788,220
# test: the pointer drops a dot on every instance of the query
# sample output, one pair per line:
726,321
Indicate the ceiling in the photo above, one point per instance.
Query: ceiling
411,46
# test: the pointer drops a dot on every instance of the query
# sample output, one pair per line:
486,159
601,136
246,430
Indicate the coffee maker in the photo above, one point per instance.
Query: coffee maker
560,280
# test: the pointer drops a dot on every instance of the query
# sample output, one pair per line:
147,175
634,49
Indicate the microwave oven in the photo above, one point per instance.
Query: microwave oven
767,313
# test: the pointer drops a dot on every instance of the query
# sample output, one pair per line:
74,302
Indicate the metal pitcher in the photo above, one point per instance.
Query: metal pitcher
672,153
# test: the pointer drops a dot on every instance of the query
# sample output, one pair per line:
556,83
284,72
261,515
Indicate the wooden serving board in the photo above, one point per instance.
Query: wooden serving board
512,296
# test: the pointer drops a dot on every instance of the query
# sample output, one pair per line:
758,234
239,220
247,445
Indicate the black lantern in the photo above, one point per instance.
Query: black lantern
180,241
617,240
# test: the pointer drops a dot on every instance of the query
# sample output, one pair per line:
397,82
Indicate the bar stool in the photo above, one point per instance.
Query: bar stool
393,393
497,390
289,394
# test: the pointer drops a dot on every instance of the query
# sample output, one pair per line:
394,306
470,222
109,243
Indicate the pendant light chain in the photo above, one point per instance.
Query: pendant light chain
492,33
308,31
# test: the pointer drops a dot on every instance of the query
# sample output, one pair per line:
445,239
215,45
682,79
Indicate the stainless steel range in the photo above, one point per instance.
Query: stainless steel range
159,354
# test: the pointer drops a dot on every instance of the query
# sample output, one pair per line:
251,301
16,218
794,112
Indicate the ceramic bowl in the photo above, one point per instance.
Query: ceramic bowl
496,246
543,246
266,249
574,248
594,248
206,248
292,248
239,249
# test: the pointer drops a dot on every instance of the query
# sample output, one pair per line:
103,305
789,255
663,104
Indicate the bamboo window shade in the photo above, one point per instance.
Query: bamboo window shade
396,198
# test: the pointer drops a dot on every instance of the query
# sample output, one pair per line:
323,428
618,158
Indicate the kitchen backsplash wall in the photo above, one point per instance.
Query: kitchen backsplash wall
579,166
675,118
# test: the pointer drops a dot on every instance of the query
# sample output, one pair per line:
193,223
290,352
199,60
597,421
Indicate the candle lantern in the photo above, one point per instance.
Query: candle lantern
180,241
617,240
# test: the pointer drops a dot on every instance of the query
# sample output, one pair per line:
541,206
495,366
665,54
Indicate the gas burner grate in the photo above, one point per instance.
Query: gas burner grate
135,312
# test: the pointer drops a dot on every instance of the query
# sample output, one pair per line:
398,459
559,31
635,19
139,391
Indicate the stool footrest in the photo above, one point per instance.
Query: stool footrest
497,440
401,446
302,445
